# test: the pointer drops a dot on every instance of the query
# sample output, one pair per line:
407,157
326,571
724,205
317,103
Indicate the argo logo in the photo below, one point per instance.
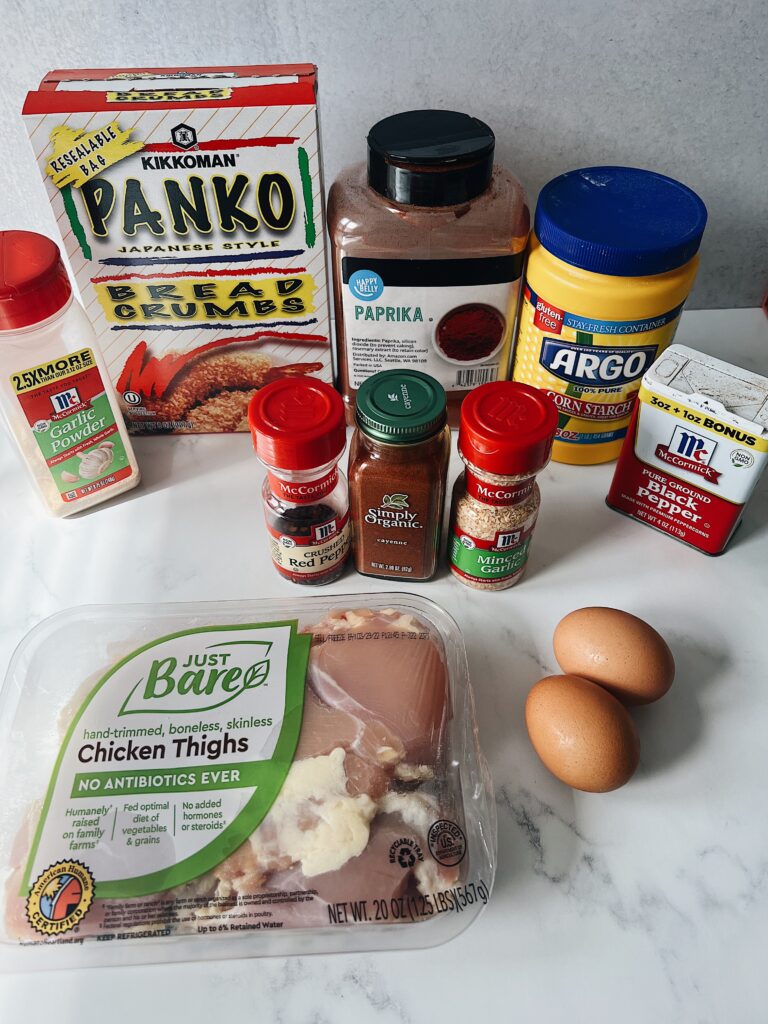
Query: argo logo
366,285
595,365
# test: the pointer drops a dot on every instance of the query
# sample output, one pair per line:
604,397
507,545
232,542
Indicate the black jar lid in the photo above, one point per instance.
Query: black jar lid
430,157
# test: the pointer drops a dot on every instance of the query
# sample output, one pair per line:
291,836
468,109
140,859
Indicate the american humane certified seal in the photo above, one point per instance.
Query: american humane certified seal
60,897
447,843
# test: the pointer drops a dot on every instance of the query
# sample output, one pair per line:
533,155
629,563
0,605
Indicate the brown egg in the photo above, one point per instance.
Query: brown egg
581,733
617,650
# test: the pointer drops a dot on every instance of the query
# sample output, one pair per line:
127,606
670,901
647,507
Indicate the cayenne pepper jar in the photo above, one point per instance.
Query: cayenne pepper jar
299,434
505,439
398,463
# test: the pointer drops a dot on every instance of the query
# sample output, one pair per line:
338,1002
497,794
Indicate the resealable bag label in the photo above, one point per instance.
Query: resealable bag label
171,761
449,318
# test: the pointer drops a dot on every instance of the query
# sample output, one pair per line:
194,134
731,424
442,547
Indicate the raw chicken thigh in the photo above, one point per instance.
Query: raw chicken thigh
351,821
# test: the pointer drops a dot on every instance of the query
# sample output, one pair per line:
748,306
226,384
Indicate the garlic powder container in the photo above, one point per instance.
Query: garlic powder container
55,394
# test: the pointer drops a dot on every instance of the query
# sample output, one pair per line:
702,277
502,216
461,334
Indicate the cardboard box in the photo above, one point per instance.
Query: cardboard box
190,204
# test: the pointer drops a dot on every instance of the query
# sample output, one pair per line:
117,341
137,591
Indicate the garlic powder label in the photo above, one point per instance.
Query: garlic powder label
174,757
70,417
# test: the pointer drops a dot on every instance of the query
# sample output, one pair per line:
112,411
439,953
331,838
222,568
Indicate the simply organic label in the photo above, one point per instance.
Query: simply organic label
174,758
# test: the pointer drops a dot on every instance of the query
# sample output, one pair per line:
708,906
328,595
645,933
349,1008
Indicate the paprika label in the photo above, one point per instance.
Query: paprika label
72,423
449,318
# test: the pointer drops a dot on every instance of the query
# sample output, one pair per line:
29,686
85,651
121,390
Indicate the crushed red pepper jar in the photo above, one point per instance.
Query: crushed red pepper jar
299,434
428,247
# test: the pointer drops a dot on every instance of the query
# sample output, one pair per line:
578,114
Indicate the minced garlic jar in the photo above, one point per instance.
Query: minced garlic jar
505,439
55,394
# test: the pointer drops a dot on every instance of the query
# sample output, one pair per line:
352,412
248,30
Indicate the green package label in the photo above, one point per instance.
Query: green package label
73,424
174,758
477,560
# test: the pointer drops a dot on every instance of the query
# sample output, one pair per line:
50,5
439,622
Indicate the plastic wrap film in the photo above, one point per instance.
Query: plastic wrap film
205,781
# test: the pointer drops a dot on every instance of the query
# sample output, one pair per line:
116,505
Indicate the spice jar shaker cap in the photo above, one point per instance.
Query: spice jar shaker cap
400,406
430,157
33,280
297,423
507,428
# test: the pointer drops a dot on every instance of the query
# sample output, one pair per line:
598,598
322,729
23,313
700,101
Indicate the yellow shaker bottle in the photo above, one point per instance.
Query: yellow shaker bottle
612,257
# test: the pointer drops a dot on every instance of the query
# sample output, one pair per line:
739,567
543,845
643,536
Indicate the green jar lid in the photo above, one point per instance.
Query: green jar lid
400,406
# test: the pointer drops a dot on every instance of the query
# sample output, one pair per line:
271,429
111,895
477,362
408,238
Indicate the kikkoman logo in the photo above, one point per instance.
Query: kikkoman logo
201,681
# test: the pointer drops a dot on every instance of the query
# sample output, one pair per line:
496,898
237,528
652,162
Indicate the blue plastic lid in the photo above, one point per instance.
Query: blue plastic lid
620,220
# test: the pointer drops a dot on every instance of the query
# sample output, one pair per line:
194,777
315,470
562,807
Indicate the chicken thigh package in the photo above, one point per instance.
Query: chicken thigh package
200,781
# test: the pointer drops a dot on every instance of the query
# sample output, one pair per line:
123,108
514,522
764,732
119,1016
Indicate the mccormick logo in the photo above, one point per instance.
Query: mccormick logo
65,400
595,365
202,680
690,451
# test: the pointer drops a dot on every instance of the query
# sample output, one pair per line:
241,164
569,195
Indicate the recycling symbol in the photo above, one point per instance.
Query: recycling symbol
405,857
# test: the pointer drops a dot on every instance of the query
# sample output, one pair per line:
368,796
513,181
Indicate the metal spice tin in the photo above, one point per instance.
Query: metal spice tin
696,447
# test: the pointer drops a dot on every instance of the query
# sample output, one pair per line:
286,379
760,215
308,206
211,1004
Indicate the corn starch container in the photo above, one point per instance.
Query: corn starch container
612,258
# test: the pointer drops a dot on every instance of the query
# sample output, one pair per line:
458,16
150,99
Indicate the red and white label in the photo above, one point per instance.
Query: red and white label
689,465
498,494
676,506
311,557
303,493
546,316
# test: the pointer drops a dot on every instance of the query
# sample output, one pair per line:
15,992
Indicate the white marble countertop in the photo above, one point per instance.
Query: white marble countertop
647,904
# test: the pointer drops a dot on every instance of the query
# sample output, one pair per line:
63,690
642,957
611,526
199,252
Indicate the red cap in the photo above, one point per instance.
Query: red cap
33,280
507,428
297,423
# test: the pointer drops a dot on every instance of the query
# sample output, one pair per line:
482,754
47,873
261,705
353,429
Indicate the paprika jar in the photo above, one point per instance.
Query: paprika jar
398,463
428,241
299,435
505,439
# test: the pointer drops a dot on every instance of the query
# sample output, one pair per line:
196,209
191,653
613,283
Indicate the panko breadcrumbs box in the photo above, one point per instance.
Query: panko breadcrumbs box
190,203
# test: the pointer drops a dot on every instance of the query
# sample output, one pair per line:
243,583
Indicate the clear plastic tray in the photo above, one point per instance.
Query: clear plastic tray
157,807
